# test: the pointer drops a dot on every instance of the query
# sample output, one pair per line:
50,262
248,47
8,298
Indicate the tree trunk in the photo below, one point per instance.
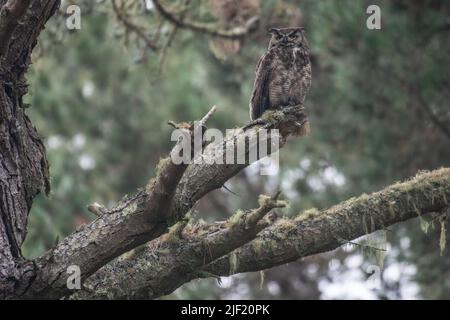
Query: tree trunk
24,167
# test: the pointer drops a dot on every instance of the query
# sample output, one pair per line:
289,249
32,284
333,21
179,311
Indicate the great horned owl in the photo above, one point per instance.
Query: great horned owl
283,73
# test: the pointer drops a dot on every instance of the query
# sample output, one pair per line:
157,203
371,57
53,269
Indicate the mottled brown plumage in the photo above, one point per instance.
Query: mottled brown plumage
283,73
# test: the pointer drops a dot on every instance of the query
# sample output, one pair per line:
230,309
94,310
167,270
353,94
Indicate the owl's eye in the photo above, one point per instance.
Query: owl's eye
293,36
278,37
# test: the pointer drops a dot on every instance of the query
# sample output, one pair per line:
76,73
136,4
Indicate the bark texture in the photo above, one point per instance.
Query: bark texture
286,240
23,163
191,247
146,216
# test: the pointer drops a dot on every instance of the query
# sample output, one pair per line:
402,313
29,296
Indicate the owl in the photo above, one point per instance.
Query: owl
283,73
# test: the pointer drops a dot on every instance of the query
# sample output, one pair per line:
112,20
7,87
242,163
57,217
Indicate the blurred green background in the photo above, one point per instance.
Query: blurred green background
379,110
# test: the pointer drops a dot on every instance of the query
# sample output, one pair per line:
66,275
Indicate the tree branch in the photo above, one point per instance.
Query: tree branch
316,231
287,240
148,214
207,28
200,179
190,248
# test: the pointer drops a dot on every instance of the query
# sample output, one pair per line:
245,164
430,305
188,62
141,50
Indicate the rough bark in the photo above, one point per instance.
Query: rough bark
288,239
147,215
200,179
194,251
191,247
23,163
134,221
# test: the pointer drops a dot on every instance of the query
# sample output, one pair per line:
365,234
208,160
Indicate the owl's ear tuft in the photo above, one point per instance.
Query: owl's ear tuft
274,31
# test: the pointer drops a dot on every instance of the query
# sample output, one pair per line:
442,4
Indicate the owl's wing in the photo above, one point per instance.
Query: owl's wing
260,100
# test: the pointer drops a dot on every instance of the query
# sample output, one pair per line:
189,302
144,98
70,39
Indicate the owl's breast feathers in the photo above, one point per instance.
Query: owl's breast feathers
283,77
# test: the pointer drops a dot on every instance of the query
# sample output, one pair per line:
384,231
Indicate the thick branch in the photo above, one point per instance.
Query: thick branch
200,179
137,220
314,231
207,28
190,248
287,240
145,217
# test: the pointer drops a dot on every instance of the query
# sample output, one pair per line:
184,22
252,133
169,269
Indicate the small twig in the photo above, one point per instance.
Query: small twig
266,204
173,124
97,209
276,195
100,210
164,49
126,202
175,232
133,27
200,123
171,37
230,191
364,246
207,116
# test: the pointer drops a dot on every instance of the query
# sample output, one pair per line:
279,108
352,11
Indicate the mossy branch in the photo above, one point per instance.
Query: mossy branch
290,239
286,240
184,250
134,222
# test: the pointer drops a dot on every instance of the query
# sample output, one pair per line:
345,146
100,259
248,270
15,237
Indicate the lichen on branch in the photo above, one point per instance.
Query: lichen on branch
285,240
